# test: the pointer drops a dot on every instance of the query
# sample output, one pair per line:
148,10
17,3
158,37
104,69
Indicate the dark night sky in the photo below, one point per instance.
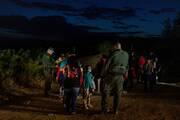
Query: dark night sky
128,17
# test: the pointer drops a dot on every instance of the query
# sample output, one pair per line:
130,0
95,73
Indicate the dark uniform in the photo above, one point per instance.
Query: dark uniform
49,69
115,68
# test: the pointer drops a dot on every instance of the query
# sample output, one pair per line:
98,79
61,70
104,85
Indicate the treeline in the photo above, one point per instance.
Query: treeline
171,31
20,66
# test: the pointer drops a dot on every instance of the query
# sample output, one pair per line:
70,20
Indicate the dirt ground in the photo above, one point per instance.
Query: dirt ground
30,104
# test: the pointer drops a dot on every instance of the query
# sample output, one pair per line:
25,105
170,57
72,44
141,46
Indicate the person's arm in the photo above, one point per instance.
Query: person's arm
105,68
126,64
152,68
58,73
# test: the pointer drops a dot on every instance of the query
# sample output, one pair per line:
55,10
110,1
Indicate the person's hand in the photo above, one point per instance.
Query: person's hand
126,75
56,78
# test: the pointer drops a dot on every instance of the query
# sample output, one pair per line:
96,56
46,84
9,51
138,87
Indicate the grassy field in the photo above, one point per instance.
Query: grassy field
30,104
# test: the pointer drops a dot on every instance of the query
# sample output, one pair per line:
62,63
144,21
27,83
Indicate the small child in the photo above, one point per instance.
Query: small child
89,87
60,77
148,72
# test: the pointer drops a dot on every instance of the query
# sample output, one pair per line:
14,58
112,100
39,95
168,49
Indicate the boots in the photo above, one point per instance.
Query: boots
89,103
85,104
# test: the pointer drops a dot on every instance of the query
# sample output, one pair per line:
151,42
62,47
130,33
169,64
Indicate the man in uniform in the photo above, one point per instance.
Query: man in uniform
112,74
49,67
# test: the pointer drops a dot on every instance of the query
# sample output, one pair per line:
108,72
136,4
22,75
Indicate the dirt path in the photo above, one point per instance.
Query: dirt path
164,104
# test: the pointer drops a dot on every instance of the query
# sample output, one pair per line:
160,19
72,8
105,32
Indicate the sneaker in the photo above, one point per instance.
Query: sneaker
86,107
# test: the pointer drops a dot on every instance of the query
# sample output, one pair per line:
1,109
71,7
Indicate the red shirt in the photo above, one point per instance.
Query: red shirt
141,60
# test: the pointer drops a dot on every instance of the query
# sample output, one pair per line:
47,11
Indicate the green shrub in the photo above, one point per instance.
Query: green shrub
22,66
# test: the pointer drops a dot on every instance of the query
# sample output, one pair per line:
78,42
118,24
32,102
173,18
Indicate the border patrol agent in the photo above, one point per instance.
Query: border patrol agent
112,75
49,67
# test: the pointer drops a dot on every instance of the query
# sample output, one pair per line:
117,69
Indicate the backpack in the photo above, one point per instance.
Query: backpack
72,72
73,69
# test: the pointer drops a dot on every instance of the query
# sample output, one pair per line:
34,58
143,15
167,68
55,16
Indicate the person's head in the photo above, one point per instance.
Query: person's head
79,64
73,51
68,55
50,51
156,59
89,69
151,53
132,53
62,56
148,61
60,59
116,45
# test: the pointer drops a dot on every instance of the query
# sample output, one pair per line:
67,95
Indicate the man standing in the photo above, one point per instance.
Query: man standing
112,74
149,73
49,68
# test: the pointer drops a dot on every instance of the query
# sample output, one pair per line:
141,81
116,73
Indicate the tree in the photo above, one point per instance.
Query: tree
176,27
166,33
172,32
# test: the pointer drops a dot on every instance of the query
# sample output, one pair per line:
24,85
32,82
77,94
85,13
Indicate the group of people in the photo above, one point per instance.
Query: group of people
144,69
115,70
73,79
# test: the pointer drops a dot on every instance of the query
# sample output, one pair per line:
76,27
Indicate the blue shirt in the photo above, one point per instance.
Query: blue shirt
63,63
88,80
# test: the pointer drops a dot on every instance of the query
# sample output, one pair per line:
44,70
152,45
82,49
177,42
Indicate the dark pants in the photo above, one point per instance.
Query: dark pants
47,86
125,85
148,83
70,98
48,82
115,87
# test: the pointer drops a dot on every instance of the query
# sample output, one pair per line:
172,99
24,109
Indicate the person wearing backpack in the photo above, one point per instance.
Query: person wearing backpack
112,76
72,84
